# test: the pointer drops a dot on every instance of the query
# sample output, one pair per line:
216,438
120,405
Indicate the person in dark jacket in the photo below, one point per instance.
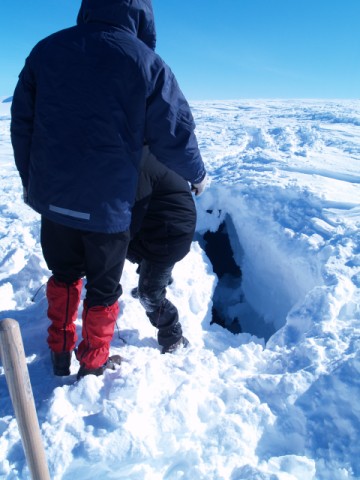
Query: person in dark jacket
162,229
85,101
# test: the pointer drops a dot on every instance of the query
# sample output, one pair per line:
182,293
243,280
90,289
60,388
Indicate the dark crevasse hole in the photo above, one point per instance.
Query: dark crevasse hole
218,249
230,307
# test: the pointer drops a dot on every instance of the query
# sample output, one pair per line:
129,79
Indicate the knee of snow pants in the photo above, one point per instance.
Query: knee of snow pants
166,319
153,280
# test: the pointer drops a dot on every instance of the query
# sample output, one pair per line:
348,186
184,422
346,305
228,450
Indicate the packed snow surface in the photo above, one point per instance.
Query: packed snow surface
279,400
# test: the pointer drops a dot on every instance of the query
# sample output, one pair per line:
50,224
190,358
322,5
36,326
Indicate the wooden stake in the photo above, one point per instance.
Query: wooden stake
17,377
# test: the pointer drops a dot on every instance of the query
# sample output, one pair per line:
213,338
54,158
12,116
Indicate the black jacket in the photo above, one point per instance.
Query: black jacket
164,215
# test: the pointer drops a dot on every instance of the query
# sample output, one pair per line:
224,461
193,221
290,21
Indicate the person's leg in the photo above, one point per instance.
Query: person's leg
62,250
153,280
105,256
63,303
134,291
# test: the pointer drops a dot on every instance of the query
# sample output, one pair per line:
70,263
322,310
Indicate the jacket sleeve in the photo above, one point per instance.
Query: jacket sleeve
170,126
22,118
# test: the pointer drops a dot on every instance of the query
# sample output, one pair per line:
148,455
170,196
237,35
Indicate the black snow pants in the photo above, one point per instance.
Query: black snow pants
153,280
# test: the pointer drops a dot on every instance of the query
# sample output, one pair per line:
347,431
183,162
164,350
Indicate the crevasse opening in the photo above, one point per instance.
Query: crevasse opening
230,307
264,269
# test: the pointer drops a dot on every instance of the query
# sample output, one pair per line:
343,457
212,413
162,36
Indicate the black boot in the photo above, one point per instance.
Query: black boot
61,363
183,342
110,364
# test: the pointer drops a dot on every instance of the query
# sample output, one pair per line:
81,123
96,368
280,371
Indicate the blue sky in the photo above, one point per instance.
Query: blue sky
221,49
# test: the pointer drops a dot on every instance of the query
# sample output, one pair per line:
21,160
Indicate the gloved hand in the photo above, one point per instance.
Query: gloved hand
198,188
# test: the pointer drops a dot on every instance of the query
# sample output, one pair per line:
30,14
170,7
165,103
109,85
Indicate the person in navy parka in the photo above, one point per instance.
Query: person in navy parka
86,100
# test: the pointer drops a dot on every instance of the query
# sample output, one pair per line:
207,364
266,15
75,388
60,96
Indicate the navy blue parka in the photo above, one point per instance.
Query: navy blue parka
85,102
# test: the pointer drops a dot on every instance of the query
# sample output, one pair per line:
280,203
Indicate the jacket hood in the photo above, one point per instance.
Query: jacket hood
135,16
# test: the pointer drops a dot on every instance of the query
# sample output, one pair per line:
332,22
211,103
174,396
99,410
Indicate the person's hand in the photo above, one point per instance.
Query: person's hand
198,188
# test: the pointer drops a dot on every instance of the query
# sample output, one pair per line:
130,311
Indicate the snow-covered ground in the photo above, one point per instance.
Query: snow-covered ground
279,400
